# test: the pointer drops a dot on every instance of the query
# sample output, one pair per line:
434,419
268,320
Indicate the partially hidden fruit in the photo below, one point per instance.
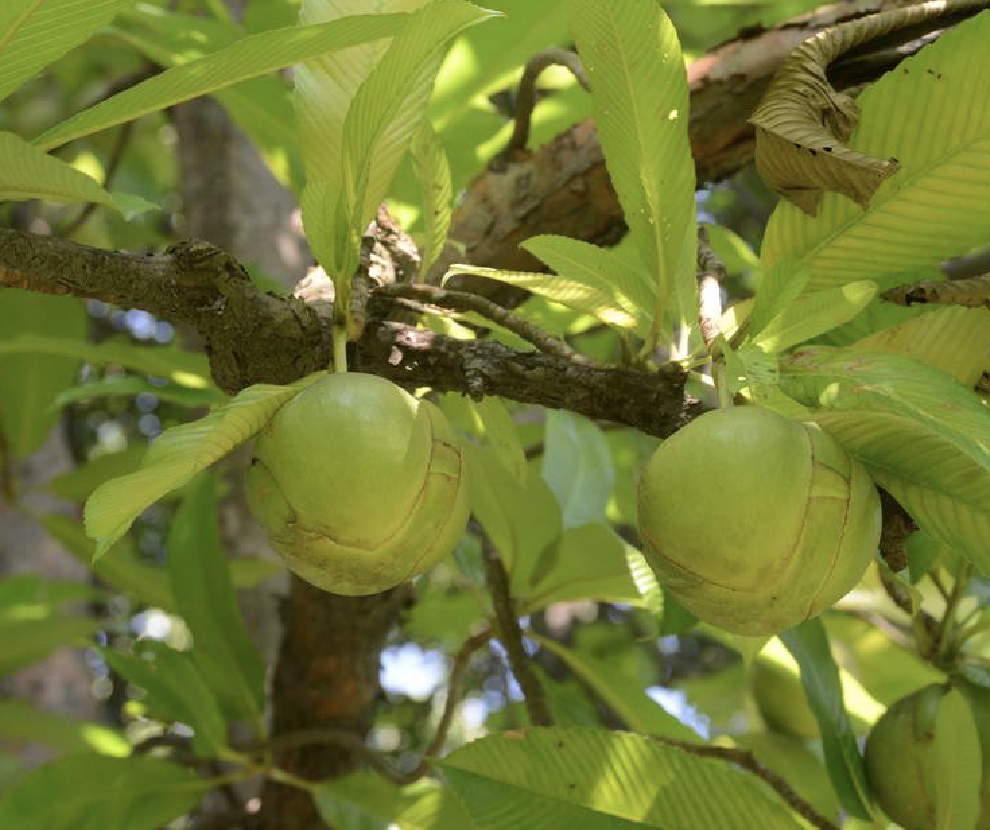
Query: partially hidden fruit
900,755
359,485
756,522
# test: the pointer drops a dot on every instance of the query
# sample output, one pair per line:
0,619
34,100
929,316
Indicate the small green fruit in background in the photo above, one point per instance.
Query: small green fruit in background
756,522
900,755
359,485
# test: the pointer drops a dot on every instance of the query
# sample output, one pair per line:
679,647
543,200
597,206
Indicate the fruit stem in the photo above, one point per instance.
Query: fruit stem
339,334
721,385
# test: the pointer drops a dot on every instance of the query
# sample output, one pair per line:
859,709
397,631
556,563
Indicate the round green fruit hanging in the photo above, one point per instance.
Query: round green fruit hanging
756,522
900,758
359,485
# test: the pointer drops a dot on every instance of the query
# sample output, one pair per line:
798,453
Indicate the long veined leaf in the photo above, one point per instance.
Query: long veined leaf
601,268
433,171
814,314
247,58
90,790
577,291
559,778
381,120
808,643
28,173
179,454
930,114
640,96
955,340
35,33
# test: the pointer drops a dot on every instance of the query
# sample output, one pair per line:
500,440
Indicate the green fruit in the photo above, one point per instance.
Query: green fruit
756,522
359,485
781,700
900,757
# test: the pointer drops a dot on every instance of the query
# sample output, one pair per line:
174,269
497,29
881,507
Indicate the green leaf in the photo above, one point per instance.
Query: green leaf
578,467
586,562
26,641
175,690
344,191
521,520
121,568
957,765
561,778
364,801
433,172
28,173
622,694
955,340
574,292
922,436
30,381
178,454
262,106
35,33
930,114
201,583
778,288
185,368
96,792
19,721
129,386
247,58
814,314
603,271
809,645
640,96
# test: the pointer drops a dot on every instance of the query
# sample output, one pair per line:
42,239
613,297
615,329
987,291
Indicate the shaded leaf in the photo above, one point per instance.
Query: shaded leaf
809,645
201,583
248,57
121,568
29,381
19,721
185,368
620,693
96,792
174,691
578,467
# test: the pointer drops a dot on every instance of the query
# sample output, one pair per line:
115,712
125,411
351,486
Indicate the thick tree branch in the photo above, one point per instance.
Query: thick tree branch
253,337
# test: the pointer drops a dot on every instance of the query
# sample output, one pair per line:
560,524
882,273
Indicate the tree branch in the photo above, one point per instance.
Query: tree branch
253,337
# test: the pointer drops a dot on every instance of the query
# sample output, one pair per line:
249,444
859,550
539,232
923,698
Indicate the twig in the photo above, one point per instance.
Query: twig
711,272
526,94
897,527
745,759
510,636
463,301
113,163
354,743
971,293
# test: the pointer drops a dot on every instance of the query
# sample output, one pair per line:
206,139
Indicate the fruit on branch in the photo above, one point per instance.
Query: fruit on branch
900,760
756,522
359,485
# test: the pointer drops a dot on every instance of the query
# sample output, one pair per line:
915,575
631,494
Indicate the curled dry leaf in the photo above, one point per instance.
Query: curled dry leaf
802,123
